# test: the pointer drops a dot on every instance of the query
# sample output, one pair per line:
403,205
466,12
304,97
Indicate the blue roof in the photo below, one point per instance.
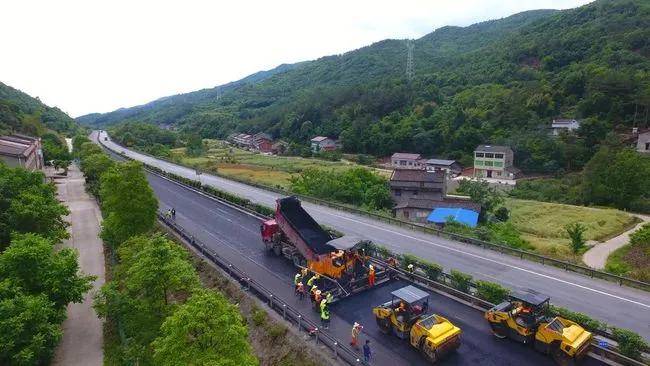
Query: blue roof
442,214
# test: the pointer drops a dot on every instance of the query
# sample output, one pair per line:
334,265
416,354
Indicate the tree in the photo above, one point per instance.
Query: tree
35,267
77,141
481,193
154,268
128,202
206,330
88,148
27,204
194,146
502,214
576,232
93,166
29,329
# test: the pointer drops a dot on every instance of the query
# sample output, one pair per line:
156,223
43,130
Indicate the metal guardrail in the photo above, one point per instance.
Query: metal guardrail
339,349
522,254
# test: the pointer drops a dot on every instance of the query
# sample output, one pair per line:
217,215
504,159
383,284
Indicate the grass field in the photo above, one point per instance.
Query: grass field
542,224
632,260
260,168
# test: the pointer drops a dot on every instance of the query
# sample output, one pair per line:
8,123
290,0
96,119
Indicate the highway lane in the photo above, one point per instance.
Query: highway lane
620,306
235,236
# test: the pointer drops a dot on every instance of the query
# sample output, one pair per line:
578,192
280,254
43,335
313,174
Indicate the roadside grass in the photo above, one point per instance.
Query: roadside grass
542,224
631,260
256,167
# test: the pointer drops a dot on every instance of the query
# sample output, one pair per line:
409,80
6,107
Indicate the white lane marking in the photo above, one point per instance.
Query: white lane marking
471,254
493,261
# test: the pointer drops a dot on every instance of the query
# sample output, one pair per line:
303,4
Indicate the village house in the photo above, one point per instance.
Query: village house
406,161
22,151
643,142
322,143
451,167
241,139
420,210
559,125
413,183
279,148
263,142
491,161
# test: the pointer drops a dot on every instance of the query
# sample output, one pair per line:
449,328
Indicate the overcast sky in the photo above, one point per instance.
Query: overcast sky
96,56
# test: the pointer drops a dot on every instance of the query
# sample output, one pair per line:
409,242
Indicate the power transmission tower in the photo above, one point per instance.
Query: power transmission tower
409,59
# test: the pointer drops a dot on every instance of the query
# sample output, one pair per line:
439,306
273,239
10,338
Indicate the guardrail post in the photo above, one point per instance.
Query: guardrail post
316,334
299,321
284,311
271,301
336,351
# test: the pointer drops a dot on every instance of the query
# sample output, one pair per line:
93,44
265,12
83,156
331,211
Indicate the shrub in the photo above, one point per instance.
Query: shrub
460,281
276,331
259,317
492,292
502,214
630,344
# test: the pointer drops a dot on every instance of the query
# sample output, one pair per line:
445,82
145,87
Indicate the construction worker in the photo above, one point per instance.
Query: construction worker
312,280
300,290
304,272
356,330
329,297
296,280
325,316
312,292
371,276
410,269
317,299
173,212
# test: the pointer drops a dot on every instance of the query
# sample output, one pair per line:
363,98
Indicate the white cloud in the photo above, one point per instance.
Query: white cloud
96,56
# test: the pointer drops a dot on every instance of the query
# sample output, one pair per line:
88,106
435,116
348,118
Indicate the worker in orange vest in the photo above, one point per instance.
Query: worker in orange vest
356,330
371,276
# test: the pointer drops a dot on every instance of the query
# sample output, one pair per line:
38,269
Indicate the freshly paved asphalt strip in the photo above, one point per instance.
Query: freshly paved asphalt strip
617,305
82,343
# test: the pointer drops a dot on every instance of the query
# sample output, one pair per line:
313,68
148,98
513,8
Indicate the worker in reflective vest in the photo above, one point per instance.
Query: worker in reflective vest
324,314
371,276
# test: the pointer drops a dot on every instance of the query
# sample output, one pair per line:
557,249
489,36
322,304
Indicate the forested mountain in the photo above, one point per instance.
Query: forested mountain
499,81
20,112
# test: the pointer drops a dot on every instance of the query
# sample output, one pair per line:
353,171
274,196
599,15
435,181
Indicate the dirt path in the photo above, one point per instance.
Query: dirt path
82,343
596,257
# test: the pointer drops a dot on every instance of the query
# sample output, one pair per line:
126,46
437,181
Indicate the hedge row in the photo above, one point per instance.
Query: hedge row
630,343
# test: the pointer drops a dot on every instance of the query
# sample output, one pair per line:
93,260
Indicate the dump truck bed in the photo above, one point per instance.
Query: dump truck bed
304,225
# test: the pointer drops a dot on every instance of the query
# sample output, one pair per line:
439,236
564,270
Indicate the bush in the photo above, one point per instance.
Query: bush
276,331
630,344
492,292
259,317
502,214
460,281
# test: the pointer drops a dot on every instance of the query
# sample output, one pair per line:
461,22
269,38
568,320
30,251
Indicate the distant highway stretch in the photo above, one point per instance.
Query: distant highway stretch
619,306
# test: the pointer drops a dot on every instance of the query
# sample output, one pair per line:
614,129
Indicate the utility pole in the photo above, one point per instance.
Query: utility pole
409,59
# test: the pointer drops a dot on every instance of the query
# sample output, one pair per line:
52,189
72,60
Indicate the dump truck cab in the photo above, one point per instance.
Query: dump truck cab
524,318
405,315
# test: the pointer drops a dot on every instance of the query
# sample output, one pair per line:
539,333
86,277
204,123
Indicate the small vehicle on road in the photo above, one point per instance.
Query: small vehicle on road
405,315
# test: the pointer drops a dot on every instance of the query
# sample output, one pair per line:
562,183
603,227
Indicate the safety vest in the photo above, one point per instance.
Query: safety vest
311,281
296,279
325,314
323,305
329,297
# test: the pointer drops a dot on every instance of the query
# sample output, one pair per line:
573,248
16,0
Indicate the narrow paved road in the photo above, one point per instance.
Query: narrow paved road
620,306
83,341
596,257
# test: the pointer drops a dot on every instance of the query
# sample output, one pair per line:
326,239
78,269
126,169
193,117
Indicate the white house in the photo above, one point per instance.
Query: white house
322,143
643,143
559,125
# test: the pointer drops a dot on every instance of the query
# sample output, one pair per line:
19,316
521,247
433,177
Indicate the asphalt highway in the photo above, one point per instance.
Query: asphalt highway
617,305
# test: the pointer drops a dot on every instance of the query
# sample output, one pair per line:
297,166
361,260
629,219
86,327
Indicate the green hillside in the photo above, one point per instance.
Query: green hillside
499,81
20,112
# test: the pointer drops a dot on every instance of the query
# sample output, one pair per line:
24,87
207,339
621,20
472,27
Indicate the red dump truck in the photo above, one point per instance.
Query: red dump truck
294,234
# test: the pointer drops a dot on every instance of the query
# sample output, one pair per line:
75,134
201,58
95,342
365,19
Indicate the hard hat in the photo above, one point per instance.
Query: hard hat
356,324
318,292
371,267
